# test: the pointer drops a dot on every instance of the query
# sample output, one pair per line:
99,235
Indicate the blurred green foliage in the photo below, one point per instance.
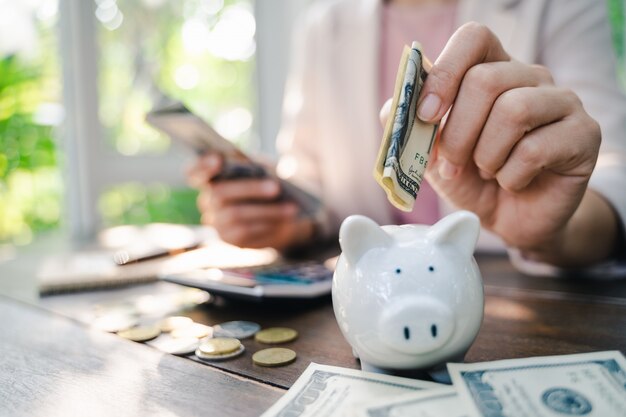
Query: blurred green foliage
30,183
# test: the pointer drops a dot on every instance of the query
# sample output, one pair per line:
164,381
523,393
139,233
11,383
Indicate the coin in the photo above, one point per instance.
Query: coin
274,357
115,322
141,333
196,330
206,357
238,329
169,324
219,346
276,335
180,346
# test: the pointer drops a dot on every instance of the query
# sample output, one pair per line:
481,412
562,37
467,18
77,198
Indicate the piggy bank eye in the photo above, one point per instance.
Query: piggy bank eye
433,330
431,268
398,271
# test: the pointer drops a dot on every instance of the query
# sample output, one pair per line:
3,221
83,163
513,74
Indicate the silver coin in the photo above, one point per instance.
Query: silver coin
236,329
115,322
175,346
210,358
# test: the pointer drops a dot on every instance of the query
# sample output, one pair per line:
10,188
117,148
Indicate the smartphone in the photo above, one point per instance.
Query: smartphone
178,122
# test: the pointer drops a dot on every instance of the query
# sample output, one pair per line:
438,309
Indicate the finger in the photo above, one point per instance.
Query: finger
247,235
567,148
470,45
229,191
479,90
256,213
384,112
204,169
514,114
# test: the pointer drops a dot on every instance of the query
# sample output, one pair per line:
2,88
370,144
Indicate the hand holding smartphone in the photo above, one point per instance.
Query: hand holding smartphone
178,122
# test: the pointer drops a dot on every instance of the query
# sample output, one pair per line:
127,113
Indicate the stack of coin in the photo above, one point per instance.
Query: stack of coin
219,348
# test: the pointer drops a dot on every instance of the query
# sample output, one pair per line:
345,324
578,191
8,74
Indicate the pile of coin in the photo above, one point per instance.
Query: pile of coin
145,320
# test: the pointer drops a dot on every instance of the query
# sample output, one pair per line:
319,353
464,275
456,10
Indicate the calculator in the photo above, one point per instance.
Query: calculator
286,280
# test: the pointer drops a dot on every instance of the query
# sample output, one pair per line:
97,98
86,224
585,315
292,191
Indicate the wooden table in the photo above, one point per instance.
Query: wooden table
54,366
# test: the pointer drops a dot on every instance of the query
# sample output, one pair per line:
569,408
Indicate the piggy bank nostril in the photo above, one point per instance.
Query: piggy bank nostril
407,333
433,330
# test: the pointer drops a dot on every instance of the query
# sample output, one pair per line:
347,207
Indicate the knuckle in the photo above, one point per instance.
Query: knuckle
483,78
515,109
484,162
543,73
477,31
529,153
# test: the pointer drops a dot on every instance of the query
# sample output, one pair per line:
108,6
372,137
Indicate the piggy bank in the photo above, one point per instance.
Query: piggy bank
409,297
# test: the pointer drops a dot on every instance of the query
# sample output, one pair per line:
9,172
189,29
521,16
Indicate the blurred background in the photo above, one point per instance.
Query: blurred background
78,76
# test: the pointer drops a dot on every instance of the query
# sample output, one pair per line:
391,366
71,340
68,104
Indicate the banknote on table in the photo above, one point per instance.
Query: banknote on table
407,141
324,391
587,384
439,402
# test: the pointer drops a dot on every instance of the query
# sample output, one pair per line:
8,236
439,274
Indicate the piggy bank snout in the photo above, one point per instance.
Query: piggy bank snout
416,325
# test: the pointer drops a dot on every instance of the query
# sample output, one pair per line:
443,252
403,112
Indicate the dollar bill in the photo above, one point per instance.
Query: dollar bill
431,403
589,384
325,391
407,141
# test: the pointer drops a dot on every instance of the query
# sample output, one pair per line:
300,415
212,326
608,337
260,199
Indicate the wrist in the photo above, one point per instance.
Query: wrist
590,236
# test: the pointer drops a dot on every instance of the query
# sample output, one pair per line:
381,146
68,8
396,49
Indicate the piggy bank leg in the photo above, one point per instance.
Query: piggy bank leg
440,373
368,367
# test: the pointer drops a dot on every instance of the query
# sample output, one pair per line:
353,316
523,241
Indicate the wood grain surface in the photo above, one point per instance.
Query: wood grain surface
51,366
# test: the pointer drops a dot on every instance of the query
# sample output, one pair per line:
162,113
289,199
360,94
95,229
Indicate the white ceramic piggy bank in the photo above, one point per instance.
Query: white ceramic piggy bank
408,297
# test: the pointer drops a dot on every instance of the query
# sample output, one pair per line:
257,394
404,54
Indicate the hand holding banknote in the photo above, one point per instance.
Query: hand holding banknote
517,150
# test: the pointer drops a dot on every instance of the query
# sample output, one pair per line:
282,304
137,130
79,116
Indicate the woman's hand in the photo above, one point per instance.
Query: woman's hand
516,150
247,212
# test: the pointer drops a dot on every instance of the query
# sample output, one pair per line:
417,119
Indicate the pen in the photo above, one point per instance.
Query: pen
124,257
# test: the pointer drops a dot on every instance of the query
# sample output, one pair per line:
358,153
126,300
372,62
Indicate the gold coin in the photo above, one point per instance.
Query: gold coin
276,335
213,358
141,333
219,346
196,330
169,324
274,357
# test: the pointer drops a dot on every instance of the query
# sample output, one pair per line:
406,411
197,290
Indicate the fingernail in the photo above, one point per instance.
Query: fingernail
269,187
447,171
429,107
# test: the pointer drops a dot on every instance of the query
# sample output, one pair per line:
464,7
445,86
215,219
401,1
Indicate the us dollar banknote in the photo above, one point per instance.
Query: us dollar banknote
325,391
587,384
407,141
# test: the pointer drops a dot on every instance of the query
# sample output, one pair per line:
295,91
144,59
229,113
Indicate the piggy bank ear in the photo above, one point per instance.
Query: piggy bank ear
358,234
459,229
